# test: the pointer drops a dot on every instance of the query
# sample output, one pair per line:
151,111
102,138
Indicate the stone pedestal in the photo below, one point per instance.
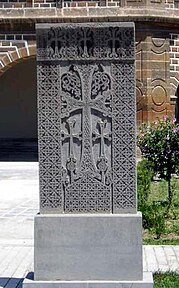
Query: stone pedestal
88,247
78,251
147,282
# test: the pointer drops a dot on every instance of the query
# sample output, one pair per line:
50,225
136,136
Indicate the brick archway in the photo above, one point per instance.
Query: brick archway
174,81
12,52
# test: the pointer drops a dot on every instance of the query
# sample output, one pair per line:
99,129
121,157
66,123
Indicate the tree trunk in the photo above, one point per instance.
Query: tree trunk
169,192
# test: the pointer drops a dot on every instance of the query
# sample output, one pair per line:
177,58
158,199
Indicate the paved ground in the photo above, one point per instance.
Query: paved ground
19,204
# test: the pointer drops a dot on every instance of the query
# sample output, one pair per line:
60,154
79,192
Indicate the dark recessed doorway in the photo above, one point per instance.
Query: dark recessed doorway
18,113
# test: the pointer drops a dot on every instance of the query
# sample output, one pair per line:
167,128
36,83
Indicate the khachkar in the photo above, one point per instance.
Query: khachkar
88,231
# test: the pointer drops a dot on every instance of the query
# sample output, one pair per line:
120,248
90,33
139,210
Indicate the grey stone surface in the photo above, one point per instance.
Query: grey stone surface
88,247
39,13
86,102
86,94
147,282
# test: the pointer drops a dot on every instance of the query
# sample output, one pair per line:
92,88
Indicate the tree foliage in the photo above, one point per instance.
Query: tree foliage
159,143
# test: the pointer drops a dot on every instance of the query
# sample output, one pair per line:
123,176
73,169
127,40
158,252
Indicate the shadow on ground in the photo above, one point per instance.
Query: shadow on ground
18,150
11,282
6,282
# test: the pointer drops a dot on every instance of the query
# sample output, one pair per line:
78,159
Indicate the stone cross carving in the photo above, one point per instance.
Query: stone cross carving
86,104
86,118
71,161
102,163
115,41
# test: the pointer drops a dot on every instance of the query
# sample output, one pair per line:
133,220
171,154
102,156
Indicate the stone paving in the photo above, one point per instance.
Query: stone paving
18,205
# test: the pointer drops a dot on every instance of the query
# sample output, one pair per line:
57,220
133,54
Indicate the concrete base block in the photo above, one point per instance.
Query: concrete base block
88,247
147,282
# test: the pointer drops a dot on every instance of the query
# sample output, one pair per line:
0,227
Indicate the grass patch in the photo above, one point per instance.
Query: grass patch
170,236
162,241
166,280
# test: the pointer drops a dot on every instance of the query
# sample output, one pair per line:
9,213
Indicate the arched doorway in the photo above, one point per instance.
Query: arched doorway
18,112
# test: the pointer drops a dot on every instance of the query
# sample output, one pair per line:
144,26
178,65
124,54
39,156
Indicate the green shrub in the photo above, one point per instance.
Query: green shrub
166,280
159,143
176,227
158,212
153,214
144,176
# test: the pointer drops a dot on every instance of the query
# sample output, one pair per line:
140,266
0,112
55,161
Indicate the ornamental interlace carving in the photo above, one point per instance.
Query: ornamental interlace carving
86,96
98,41
86,118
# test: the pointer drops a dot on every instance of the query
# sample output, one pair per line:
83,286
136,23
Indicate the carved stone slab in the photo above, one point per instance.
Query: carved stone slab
86,104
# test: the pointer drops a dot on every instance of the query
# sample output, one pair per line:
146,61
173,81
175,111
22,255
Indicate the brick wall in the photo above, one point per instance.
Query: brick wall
152,76
13,4
169,4
157,68
44,3
91,3
28,3
174,64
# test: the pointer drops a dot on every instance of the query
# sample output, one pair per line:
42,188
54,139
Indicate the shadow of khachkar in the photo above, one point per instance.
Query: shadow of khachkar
88,231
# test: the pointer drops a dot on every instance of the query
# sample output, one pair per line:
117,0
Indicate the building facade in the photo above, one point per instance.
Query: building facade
157,56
